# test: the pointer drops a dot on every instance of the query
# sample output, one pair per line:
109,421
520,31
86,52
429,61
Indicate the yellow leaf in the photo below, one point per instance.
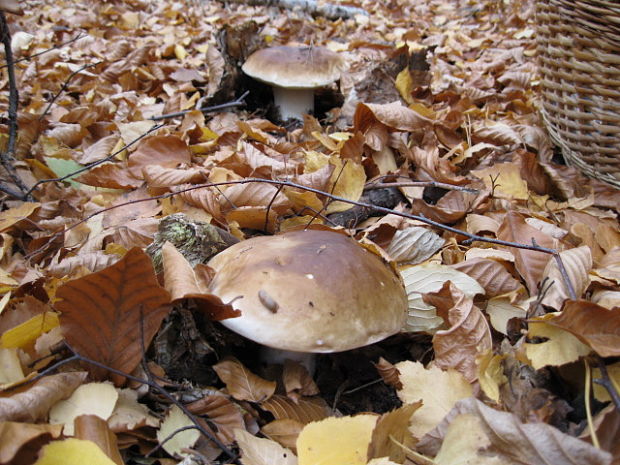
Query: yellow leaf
73,452
13,215
174,421
89,399
613,371
404,85
506,179
26,333
342,441
490,374
257,451
439,390
347,181
560,348
180,52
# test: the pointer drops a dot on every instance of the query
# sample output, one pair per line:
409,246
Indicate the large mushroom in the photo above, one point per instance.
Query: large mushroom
309,291
294,72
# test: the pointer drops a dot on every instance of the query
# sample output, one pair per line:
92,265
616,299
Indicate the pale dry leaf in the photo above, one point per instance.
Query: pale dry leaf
99,150
297,381
258,451
577,263
180,280
491,374
10,367
559,347
241,383
430,277
513,441
93,261
439,390
160,176
414,245
182,440
505,180
34,403
14,215
303,410
501,310
88,399
496,133
254,195
129,414
343,440
393,115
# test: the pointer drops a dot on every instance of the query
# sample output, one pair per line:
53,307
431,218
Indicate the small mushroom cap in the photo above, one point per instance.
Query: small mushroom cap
309,291
294,67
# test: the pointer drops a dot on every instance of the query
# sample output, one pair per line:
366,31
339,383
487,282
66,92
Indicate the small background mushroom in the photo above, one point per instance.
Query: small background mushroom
294,72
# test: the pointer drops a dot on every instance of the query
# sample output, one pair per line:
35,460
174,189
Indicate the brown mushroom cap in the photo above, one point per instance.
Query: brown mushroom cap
309,291
294,67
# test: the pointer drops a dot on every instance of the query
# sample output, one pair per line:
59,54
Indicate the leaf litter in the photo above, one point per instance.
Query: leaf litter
438,104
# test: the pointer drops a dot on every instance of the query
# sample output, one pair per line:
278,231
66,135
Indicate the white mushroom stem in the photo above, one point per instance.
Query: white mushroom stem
278,356
293,103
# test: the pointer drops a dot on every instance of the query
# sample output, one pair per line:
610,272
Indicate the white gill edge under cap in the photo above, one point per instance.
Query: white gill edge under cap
309,291
294,67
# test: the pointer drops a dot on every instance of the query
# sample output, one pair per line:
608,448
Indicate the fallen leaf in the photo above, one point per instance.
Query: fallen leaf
35,402
577,263
12,216
225,415
111,315
257,451
73,452
177,441
94,428
592,324
88,399
241,383
439,391
303,410
284,432
13,436
343,440
414,245
391,434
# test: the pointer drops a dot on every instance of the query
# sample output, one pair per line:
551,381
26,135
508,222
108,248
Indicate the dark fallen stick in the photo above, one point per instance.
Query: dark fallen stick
387,197
235,103
328,10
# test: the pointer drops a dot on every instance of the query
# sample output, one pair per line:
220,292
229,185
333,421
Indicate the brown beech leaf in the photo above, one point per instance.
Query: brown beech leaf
241,383
297,381
14,436
389,373
284,432
96,429
255,194
106,314
304,410
35,402
393,115
94,261
529,263
498,133
111,176
207,199
164,151
99,150
222,413
14,215
516,442
179,277
490,274
577,262
592,324
160,176
391,435
469,333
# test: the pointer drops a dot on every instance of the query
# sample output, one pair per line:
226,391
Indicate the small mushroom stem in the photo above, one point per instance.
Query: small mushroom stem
293,103
278,356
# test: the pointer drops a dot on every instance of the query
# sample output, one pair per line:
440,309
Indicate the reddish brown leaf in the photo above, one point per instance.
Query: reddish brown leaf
222,413
164,151
106,314
111,176
490,274
594,325
389,373
96,429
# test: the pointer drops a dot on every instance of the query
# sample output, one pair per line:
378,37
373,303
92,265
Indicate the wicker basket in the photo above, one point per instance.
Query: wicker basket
579,59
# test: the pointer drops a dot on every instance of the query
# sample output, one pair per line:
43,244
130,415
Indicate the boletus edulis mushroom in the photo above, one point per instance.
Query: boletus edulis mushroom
294,72
309,291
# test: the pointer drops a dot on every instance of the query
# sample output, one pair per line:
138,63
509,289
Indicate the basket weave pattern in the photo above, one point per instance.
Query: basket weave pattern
579,59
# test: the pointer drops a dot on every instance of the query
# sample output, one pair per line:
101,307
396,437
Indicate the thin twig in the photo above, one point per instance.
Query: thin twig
34,55
423,219
607,383
168,438
441,185
98,162
65,85
234,103
7,158
269,206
